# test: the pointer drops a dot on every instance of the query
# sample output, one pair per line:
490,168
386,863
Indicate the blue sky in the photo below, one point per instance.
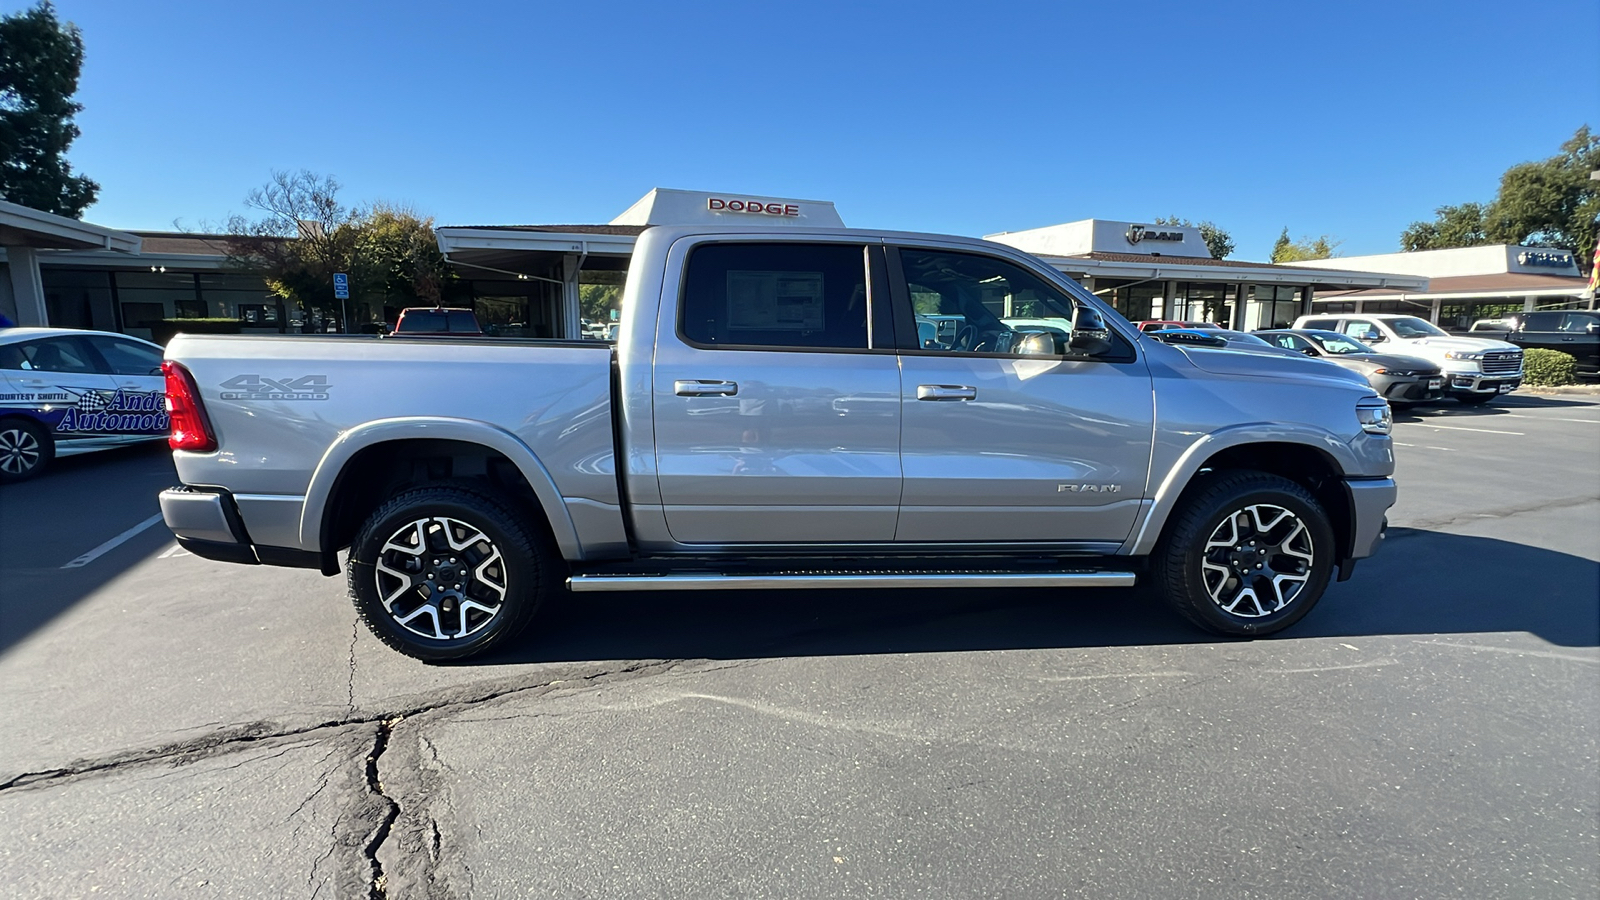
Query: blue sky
1351,119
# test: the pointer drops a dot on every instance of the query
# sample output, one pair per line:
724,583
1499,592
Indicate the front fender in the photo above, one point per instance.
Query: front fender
1142,541
370,434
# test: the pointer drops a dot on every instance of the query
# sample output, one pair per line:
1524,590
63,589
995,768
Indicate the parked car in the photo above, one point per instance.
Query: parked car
1570,331
417,321
64,391
1164,324
1399,379
765,420
1475,370
1221,338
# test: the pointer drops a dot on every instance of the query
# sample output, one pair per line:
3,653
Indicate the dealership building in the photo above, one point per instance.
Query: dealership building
531,280
1464,283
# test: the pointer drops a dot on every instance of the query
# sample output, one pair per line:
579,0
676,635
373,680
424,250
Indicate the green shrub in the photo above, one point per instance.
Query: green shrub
1547,368
162,331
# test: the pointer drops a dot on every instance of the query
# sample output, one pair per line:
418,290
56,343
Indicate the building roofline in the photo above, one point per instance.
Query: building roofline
23,226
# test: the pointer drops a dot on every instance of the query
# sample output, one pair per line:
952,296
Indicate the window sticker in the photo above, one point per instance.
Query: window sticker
775,301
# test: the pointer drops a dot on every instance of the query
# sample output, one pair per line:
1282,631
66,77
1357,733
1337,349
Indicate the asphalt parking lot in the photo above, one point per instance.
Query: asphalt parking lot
176,726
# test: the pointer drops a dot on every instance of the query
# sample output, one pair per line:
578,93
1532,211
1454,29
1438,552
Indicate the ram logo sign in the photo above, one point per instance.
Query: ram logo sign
260,387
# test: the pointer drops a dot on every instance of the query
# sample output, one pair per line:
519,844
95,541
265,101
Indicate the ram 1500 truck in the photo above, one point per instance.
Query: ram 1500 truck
1475,370
772,416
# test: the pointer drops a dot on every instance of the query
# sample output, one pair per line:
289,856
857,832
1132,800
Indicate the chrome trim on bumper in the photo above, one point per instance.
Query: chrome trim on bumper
715,582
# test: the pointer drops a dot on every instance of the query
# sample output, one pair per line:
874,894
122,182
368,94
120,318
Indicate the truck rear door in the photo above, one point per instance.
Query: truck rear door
1004,439
776,397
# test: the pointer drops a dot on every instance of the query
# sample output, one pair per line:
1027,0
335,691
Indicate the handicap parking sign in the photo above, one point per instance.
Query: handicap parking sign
341,286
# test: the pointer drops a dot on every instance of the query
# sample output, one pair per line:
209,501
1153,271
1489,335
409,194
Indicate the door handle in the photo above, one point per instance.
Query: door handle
946,392
705,388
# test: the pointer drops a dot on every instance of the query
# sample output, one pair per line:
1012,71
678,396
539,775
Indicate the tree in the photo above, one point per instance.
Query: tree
1218,242
1287,251
1550,202
39,64
1453,226
302,235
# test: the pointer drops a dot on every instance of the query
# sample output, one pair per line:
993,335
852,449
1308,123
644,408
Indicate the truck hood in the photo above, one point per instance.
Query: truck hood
1440,345
1268,364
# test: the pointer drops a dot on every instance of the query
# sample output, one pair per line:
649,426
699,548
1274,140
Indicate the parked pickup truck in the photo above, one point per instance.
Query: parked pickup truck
769,418
1475,370
1570,331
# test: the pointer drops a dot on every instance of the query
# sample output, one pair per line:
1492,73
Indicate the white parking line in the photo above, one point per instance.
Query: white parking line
1458,428
112,544
1551,418
174,552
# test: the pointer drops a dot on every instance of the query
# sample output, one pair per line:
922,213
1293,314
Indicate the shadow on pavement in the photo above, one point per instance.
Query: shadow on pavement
79,503
1422,583
1499,406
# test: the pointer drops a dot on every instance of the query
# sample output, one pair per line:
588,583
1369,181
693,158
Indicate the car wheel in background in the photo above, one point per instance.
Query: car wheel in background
1247,554
26,448
443,573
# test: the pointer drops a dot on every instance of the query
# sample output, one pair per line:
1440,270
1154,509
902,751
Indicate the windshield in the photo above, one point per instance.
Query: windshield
1413,327
1338,344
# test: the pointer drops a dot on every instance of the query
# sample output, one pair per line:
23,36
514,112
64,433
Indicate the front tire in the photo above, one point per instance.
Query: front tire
441,573
26,449
1248,554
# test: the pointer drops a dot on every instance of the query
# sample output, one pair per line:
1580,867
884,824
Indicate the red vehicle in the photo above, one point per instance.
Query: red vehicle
437,320
1164,324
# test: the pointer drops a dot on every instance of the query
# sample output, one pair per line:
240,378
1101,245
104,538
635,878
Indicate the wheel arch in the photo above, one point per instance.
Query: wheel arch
363,465
1316,462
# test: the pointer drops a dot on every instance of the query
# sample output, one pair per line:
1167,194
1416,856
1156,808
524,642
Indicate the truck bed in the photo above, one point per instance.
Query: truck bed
283,406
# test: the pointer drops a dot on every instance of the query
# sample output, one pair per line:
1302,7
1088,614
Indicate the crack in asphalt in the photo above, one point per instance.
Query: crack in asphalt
1428,525
350,701
226,740
378,886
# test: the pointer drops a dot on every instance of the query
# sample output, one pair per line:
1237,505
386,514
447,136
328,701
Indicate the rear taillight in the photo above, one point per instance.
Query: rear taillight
190,429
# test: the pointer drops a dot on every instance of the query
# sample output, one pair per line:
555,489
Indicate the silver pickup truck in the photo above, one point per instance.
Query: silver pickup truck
783,408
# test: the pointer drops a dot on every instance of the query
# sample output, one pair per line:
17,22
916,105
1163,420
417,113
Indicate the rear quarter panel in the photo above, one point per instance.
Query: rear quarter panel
277,405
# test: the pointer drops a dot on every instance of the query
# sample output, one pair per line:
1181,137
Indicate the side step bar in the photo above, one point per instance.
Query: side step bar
712,581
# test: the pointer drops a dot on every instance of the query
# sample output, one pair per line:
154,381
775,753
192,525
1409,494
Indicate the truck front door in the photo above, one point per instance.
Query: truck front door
777,416
1005,438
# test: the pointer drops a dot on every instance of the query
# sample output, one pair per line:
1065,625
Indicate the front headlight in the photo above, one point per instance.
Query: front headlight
1463,354
1374,415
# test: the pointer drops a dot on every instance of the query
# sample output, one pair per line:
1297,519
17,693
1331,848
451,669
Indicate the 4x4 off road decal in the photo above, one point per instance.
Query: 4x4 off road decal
260,387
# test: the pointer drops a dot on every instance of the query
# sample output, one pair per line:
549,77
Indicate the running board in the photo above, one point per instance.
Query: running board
800,581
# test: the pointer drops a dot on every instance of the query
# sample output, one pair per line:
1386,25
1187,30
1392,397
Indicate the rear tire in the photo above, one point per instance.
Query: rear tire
1247,554
442,573
26,449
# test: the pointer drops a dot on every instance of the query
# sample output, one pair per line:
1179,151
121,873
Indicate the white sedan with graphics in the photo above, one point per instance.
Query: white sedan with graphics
64,391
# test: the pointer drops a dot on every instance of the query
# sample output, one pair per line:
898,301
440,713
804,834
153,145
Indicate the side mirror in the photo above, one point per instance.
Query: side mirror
1090,336
1592,328
1372,337
1309,352
1035,343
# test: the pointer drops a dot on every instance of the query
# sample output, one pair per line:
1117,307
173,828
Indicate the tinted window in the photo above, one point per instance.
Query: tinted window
1321,323
55,355
979,304
1545,321
128,357
776,295
456,321
1578,323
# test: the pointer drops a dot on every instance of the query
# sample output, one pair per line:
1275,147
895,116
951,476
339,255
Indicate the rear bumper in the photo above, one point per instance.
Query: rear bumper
206,522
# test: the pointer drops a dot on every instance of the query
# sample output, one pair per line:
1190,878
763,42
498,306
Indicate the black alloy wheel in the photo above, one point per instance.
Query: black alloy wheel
25,450
443,573
1248,554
